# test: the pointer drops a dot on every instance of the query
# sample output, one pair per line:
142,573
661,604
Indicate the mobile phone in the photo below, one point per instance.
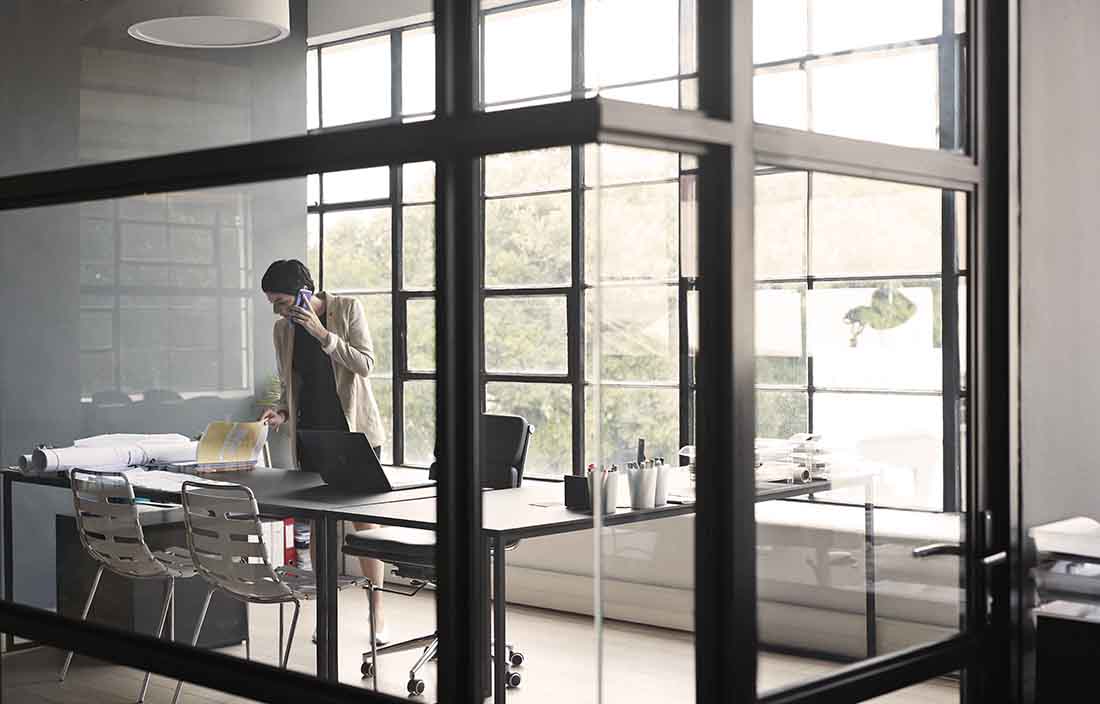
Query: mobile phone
302,299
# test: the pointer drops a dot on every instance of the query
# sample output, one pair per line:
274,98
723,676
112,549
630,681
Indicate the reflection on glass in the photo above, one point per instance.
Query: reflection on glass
665,94
313,245
313,91
527,172
525,335
861,226
781,414
527,241
418,71
357,250
878,78
382,388
418,182
877,335
379,316
419,423
638,232
780,354
364,64
527,52
549,408
421,334
618,164
780,226
638,334
357,184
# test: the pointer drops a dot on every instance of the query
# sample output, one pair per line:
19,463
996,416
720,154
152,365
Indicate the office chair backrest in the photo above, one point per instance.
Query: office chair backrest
162,395
111,398
226,543
504,444
108,525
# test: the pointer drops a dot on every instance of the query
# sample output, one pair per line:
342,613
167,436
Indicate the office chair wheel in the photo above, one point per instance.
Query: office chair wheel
512,679
367,669
416,687
516,658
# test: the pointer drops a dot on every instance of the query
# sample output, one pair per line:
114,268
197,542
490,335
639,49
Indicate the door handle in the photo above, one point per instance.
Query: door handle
937,549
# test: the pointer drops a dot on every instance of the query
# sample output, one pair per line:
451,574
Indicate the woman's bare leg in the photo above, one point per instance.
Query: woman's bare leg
375,571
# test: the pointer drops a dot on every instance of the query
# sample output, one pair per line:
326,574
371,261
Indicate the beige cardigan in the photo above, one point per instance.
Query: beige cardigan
352,353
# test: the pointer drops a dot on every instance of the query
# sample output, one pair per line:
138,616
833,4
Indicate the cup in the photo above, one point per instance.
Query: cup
609,489
660,493
643,486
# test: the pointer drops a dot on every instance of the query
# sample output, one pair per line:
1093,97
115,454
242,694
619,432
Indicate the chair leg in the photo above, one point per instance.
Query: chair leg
279,640
83,616
425,657
290,638
168,599
195,638
373,633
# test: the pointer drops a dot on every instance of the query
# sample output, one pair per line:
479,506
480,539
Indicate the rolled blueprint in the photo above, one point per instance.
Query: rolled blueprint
118,456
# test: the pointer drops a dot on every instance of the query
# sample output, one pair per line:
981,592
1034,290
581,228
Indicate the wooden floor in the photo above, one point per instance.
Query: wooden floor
641,664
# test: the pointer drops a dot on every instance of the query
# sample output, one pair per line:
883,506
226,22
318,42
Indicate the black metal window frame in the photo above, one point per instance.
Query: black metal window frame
725,525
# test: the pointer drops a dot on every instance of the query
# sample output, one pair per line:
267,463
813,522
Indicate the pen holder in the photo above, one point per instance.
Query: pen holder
576,493
643,486
660,489
609,488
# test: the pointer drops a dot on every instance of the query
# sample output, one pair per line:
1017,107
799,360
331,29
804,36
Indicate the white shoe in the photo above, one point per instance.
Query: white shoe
381,637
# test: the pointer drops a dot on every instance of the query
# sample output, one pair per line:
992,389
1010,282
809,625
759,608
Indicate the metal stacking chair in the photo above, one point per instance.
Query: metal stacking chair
226,544
505,440
108,525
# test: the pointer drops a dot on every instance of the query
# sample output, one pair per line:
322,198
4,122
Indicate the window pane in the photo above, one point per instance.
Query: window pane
357,250
780,98
97,252
526,335
639,334
418,182
420,314
780,228
877,335
379,312
628,40
891,96
313,97
527,241
903,433
357,184
779,30
313,247
527,172
419,422
383,393
418,71
665,94
611,164
547,407
169,342
862,226
313,190
781,414
963,357
622,415
418,232
780,356
689,226
356,83
638,237
879,23
527,52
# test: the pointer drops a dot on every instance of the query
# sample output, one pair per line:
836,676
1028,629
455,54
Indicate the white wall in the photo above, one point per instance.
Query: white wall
329,19
1060,258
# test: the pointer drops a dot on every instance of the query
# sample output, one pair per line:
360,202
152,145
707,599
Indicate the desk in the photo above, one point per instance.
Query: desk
280,492
535,510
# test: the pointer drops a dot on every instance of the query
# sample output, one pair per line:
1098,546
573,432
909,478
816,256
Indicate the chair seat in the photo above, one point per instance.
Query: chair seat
177,561
304,582
393,544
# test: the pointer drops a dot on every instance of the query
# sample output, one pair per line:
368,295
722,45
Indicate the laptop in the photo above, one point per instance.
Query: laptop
347,461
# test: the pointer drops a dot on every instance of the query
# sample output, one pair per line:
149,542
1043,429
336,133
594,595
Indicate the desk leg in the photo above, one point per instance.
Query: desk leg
500,662
869,567
328,562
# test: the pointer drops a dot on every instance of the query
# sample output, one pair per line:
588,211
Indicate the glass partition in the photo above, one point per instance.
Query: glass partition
859,293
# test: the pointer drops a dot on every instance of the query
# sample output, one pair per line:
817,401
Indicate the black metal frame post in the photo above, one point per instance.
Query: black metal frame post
461,607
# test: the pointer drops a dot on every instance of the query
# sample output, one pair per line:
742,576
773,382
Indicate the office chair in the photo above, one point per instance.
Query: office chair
504,443
109,528
225,539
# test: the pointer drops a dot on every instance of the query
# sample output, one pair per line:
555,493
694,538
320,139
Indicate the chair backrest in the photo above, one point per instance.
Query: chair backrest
226,541
162,395
504,444
109,398
108,525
